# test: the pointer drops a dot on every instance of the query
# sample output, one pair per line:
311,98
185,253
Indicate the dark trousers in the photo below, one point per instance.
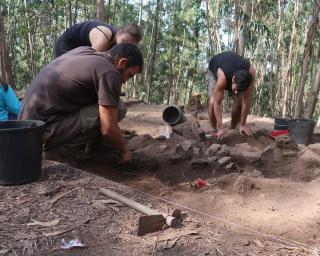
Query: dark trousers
77,128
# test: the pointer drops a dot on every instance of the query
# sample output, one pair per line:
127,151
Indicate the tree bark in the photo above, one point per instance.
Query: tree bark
242,40
306,57
100,10
236,25
6,66
30,42
152,56
313,97
275,61
287,74
215,28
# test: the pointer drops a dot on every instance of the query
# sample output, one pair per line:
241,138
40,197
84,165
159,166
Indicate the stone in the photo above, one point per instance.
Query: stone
183,151
140,141
231,166
309,158
224,160
285,142
315,147
186,145
289,153
213,149
163,147
271,154
301,147
190,131
267,155
245,153
277,155
199,163
304,167
223,151
196,151
212,159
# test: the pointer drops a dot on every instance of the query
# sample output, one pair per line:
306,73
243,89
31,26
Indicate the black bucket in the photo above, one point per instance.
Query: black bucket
301,130
173,116
20,151
280,124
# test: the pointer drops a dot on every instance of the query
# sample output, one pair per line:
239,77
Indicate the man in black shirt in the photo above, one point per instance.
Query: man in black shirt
230,72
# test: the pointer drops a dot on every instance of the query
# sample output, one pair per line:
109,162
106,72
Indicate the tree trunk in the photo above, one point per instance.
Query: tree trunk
306,57
100,10
313,97
236,25
287,74
196,32
30,42
140,12
170,84
242,40
215,28
6,66
275,62
70,13
151,59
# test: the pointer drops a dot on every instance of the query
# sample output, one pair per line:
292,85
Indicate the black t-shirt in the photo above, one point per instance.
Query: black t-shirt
229,62
79,78
78,35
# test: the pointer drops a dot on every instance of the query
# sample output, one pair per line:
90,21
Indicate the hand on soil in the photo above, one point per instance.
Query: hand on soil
245,130
220,133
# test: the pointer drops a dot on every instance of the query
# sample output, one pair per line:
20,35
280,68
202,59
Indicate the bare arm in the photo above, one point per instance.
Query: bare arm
100,38
218,97
111,131
246,98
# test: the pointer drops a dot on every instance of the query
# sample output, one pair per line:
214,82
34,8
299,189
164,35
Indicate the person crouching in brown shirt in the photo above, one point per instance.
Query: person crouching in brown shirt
77,96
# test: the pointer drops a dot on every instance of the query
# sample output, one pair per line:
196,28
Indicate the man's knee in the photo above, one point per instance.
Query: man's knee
211,100
89,118
75,126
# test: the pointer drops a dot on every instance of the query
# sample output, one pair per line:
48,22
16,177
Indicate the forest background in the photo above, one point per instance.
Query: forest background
280,37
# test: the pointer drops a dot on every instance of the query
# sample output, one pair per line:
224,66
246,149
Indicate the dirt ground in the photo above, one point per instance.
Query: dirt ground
256,208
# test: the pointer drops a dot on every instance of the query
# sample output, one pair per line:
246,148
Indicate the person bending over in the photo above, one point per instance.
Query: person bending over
77,96
230,72
98,35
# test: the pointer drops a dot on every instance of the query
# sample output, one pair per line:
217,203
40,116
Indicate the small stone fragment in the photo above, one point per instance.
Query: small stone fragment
213,149
225,160
231,166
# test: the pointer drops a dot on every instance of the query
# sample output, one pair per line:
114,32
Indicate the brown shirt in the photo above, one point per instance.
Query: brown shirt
77,79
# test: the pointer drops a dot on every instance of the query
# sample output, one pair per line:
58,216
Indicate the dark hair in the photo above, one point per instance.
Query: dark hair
4,84
133,30
243,79
129,51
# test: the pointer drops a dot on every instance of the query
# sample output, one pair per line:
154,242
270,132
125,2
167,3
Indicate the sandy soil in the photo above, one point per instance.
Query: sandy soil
65,204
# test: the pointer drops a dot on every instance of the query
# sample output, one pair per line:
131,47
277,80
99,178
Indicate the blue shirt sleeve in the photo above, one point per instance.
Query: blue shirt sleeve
11,101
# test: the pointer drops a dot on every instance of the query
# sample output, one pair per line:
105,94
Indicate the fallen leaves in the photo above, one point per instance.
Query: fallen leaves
78,224
43,224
